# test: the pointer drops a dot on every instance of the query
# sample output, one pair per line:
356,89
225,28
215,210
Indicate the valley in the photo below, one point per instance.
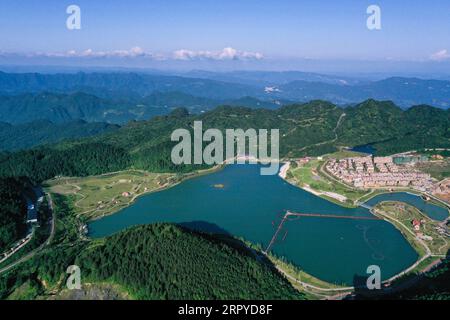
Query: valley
199,223
234,158
121,177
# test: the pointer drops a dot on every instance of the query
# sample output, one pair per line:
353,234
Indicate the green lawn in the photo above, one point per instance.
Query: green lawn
405,214
342,154
99,195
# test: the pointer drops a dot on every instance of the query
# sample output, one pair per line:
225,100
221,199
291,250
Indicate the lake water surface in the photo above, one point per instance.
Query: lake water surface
250,206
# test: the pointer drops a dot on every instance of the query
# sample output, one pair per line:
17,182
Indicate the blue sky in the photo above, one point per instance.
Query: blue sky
260,32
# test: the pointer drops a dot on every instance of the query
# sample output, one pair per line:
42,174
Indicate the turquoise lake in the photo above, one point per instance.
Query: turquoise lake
250,206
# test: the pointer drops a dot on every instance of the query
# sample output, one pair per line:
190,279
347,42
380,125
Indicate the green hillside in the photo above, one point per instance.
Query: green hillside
393,130
62,108
39,132
312,129
13,211
159,261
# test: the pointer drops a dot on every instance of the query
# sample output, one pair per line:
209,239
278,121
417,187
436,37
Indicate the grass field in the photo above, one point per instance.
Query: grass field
342,154
437,169
97,196
405,214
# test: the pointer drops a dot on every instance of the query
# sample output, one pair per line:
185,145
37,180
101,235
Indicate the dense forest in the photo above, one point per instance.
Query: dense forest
393,130
13,211
159,261
313,128
39,132
434,285
62,108
163,261
78,160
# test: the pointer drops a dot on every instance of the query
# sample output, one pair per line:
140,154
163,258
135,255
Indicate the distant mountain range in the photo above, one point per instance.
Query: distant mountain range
24,136
270,78
62,107
119,85
220,88
405,92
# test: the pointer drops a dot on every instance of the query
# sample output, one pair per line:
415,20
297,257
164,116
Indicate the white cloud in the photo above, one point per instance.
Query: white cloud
184,54
225,54
132,53
89,53
135,52
440,55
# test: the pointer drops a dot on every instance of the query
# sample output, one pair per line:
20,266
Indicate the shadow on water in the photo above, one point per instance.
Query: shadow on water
204,226
431,284
216,234
361,290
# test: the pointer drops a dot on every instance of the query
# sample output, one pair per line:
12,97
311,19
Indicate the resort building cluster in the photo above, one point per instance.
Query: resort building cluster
375,172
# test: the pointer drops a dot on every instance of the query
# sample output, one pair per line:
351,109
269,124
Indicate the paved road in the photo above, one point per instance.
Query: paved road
31,254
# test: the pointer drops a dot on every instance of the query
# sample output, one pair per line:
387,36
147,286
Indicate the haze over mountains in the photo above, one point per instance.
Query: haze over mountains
34,106
66,107
122,96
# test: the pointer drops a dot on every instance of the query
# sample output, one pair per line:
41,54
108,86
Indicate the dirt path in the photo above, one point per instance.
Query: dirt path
338,124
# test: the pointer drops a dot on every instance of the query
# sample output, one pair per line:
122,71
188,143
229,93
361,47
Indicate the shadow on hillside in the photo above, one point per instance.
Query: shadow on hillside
217,234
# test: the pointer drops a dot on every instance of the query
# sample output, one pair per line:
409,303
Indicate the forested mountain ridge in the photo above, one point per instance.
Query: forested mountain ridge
69,107
314,128
392,130
405,92
28,135
55,107
158,261
107,85
13,211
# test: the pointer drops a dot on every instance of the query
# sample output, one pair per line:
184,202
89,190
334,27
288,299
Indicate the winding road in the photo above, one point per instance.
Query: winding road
31,254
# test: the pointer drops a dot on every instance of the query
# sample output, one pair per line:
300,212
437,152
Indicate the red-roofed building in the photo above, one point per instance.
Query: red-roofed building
416,224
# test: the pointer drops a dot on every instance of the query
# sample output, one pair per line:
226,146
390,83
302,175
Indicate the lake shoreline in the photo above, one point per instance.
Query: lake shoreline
421,257
218,168
185,177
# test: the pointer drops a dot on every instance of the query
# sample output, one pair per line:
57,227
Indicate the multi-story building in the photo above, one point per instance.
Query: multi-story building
365,172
